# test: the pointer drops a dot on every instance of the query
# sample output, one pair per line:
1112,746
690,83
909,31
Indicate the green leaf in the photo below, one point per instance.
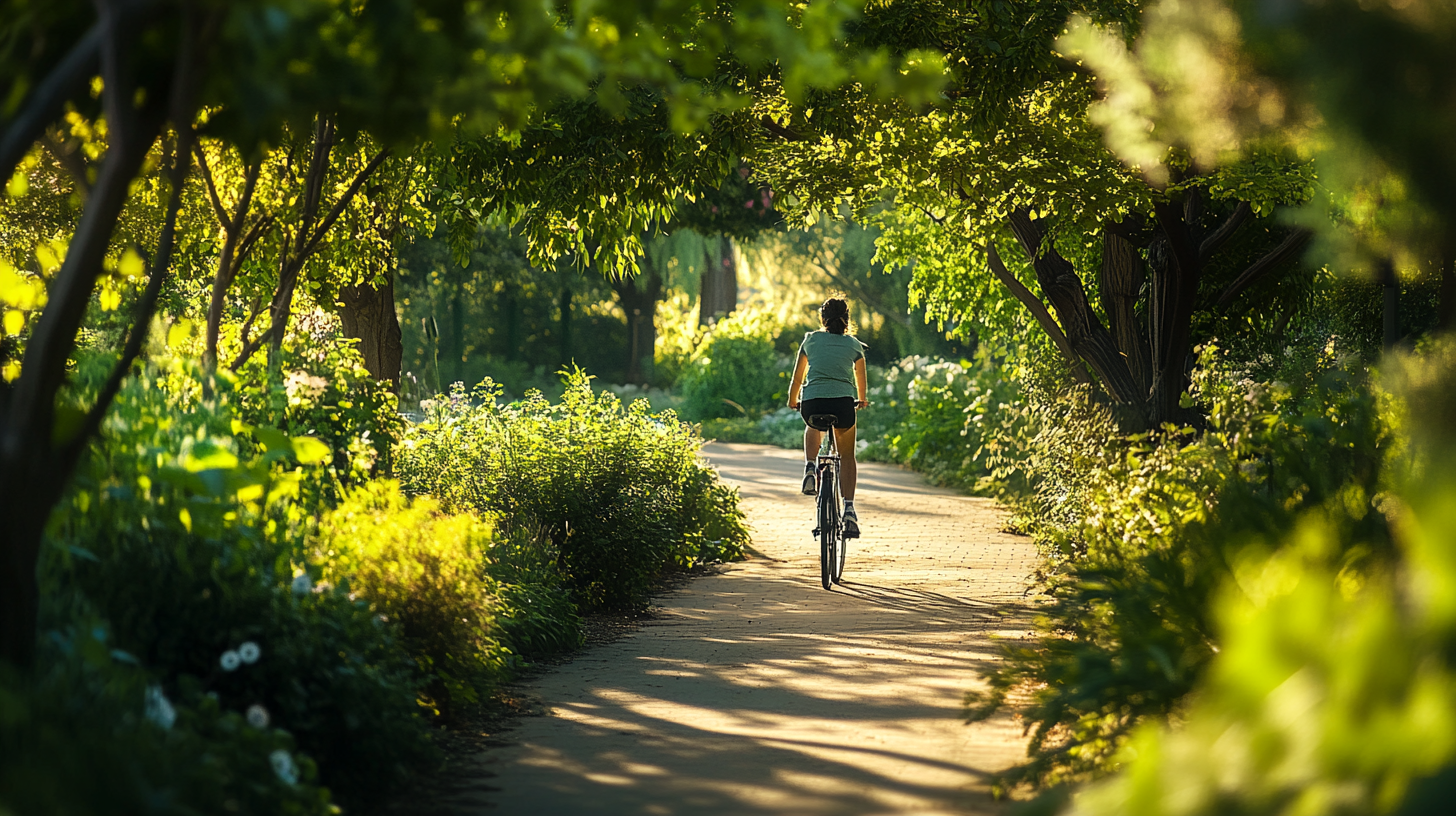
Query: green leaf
310,451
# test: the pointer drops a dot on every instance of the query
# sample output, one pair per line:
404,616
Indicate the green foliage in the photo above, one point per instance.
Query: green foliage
1156,521
1332,689
320,388
184,532
90,733
617,495
945,419
426,571
735,370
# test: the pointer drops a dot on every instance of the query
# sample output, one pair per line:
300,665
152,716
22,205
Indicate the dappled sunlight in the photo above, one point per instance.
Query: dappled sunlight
755,691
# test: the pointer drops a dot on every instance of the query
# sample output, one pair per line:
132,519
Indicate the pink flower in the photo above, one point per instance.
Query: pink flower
748,204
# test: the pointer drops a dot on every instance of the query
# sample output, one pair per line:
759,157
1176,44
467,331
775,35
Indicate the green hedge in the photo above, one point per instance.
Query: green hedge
617,495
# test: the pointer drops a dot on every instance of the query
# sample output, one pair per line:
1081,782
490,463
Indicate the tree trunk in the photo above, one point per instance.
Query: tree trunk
1176,269
368,315
718,294
1121,284
639,301
1086,334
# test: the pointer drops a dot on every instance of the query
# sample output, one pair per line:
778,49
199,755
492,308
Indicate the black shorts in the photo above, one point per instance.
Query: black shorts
841,407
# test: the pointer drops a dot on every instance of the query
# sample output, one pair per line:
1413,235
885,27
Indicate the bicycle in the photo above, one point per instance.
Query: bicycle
830,529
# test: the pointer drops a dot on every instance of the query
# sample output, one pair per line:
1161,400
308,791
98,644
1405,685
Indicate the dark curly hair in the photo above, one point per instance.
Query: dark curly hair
834,314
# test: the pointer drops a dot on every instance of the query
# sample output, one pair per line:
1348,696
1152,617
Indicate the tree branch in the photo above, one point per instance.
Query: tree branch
1039,311
250,346
782,132
341,204
1290,246
1215,240
181,105
131,132
46,102
217,207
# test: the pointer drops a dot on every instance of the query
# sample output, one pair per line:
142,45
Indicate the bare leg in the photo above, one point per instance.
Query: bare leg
812,438
848,470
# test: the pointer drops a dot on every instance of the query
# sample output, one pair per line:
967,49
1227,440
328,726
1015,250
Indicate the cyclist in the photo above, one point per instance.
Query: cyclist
831,372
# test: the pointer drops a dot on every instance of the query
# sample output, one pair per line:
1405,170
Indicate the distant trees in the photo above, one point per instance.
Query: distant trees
396,69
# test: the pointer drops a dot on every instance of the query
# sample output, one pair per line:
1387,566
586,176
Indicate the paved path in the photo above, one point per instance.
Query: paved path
757,692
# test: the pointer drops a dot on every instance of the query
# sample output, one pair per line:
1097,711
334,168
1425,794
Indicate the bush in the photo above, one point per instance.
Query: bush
945,419
321,389
183,531
1332,689
735,371
1156,522
615,495
469,606
90,734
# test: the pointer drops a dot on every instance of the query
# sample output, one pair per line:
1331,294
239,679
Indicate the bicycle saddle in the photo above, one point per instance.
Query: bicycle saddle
822,422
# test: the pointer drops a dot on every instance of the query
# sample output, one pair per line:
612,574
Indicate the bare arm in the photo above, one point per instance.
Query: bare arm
861,383
801,368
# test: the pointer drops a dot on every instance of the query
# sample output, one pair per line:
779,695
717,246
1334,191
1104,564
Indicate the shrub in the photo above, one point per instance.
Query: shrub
735,371
89,733
183,531
1158,519
426,571
1332,689
614,493
945,419
321,389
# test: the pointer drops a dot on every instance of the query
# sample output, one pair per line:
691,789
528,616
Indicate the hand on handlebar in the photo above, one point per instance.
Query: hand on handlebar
793,403
864,403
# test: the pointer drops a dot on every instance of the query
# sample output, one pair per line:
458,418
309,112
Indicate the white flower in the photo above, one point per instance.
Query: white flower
257,716
249,652
284,766
230,660
302,584
159,708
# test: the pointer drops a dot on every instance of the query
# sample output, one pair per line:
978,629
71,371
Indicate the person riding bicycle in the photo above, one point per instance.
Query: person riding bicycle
831,372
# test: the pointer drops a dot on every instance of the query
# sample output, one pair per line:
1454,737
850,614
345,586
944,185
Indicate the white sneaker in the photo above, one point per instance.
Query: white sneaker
851,522
810,483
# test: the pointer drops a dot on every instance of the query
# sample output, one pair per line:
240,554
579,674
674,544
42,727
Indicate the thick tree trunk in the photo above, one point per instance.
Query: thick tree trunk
1121,284
718,295
368,315
1175,270
639,301
1086,334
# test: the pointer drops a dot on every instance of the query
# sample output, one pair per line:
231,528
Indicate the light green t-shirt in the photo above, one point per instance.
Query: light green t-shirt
831,365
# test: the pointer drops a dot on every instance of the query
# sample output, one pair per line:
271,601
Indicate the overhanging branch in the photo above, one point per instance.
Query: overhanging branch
1289,247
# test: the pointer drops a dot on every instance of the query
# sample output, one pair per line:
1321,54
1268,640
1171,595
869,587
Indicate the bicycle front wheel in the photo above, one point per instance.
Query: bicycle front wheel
840,546
828,537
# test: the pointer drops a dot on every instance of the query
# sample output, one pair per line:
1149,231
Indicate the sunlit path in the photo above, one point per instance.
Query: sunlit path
756,692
